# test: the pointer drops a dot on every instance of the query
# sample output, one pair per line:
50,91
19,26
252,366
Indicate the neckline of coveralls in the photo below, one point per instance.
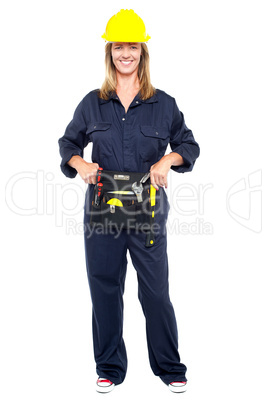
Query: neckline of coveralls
137,98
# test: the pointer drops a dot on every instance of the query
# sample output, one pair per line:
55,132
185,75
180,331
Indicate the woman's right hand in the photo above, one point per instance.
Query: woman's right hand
86,170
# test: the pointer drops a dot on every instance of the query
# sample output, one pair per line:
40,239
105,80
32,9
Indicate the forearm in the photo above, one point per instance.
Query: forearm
76,161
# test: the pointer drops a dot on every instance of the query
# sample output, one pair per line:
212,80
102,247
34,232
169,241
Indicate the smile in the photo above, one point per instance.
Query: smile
125,63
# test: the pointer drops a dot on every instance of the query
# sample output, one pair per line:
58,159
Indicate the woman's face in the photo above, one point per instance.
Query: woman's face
126,56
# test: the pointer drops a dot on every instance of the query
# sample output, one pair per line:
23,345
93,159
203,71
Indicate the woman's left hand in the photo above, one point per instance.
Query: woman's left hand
159,171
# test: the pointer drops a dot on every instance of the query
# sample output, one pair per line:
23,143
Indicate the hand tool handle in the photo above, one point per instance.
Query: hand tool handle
99,174
150,239
145,177
98,193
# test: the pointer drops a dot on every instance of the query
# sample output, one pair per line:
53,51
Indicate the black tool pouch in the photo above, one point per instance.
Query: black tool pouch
117,206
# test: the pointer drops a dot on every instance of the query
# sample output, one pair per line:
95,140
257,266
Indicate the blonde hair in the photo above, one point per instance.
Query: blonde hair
110,82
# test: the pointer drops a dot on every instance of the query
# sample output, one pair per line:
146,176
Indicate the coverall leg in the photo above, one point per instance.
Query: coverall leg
106,263
151,265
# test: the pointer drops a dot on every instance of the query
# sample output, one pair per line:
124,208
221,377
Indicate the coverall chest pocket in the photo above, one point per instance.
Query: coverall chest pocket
153,142
100,134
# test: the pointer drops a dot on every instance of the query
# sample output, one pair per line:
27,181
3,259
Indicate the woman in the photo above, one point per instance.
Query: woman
130,124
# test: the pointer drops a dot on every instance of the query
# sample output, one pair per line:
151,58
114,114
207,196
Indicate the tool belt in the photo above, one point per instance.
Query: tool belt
124,200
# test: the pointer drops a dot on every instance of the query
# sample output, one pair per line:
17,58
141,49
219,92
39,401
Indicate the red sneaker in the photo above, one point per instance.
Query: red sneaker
104,385
178,386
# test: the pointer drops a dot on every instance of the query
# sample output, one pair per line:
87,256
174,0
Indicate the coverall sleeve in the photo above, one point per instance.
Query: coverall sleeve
182,141
73,141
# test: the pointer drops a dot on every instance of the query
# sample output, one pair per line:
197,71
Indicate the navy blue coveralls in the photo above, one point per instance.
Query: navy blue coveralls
130,142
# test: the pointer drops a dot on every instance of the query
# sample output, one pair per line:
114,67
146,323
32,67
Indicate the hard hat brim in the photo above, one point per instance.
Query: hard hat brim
126,40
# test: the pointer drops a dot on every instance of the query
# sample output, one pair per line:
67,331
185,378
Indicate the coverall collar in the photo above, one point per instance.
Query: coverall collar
113,95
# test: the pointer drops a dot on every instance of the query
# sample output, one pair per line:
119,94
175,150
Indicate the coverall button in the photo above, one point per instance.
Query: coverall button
136,102
123,119
157,133
94,126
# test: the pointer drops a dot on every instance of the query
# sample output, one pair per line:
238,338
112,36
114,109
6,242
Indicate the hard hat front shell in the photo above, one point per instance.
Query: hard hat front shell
125,26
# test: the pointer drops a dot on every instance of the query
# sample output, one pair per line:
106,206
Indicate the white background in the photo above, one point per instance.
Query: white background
209,55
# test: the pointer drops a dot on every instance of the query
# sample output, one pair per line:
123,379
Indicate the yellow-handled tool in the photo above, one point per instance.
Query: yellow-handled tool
150,236
116,202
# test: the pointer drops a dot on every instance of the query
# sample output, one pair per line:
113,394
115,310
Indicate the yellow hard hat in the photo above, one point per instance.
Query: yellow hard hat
126,26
